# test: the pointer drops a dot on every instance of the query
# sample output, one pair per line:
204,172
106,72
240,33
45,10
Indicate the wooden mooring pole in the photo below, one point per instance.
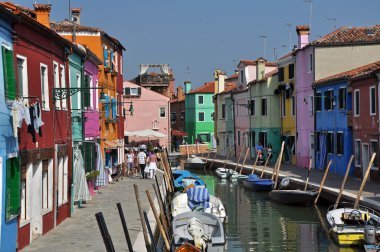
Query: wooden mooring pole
364,180
323,181
145,231
344,182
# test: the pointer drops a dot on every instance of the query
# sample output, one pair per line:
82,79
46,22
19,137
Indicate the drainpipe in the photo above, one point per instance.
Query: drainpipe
233,116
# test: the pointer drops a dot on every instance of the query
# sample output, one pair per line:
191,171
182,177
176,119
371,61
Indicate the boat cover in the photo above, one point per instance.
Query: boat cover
198,197
253,177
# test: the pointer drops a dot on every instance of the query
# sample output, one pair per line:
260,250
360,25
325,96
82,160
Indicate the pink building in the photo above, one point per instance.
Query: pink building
151,110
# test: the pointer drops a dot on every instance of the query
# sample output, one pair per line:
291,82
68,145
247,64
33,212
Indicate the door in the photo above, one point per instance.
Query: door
36,201
312,150
365,158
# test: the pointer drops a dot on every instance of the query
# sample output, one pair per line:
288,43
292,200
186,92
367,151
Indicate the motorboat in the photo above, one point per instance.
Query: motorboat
204,230
187,247
194,162
224,172
198,199
253,182
348,224
183,178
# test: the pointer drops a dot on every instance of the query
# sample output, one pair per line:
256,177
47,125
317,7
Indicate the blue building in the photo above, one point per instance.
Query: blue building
333,107
9,163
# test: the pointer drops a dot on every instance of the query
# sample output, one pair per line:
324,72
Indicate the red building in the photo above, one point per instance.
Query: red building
177,117
40,57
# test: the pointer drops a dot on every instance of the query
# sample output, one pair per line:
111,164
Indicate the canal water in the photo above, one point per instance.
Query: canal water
255,223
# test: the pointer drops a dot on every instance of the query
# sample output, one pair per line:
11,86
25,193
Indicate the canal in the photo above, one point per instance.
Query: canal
255,223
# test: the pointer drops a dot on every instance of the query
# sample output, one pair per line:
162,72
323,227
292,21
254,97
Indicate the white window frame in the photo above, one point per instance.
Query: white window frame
136,91
56,74
79,94
345,96
159,112
45,88
25,202
60,181
62,75
203,101
355,101
92,91
65,178
25,90
373,141
370,100
204,119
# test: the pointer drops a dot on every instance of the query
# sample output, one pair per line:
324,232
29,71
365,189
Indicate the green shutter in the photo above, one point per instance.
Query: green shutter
89,156
87,95
127,91
13,184
9,74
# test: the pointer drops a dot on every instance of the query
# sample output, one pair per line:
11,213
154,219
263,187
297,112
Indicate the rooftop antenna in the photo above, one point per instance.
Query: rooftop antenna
334,21
70,10
284,46
275,54
188,72
290,35
265,44
310,11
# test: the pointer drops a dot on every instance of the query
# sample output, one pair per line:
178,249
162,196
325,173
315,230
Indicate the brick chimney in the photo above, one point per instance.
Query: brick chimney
75,15
187,86
303,32
43,13
180,94
219,77
260,68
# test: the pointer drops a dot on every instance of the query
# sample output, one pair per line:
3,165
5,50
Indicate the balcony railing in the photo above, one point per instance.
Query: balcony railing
155,79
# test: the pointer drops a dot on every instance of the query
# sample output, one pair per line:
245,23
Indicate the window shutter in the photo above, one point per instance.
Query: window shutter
112,60
86,92
13,185
105,55
107,108
89,155
9,74
127,91
114,105
139,91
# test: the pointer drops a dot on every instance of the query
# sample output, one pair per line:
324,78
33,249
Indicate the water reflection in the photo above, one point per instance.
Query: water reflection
255,223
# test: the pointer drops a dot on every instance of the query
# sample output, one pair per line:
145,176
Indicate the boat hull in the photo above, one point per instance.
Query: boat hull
294,197
262,185
224,173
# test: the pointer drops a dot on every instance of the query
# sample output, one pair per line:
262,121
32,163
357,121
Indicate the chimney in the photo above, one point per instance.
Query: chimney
219,77
75,15
180,94
303,32
187,86
260,68
43,13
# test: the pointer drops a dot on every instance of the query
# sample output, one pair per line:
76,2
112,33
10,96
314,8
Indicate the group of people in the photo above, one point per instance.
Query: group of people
259,150
144,162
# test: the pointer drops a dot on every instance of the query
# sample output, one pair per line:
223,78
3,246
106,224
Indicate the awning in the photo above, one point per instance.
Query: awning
145,133
110,144
178,133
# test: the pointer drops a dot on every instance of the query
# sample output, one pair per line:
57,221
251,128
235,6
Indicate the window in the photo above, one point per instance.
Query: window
212,116
132,91
63,83
9,73
374,149
96,106
291,144
291,71
79,94
238,137
342,98
201,116
204,137
280,74
330,142
356,102
264,106
241,76
56,82
22,76
318,101
60,181
263,138
293,101
65,177
340,143
105,57
162,112
200,99
328,99
173,117
45,184
317,140
44,87
358,153
87,92
372,100
253,107
310,62
283,105
25,198
223,111
12,190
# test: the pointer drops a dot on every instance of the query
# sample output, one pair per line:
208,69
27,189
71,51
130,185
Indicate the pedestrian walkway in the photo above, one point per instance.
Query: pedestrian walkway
81,232
370,196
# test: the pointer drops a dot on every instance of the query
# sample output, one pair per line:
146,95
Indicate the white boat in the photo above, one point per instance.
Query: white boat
194,162
347,224
180,204
224,172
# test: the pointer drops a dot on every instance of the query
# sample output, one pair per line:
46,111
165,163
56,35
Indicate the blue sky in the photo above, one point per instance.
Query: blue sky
195,37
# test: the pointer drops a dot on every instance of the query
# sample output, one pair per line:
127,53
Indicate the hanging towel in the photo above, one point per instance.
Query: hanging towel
81,191
38,118
31,128
100,180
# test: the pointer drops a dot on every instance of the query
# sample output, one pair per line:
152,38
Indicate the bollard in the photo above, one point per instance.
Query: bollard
153,244
104,232
125,228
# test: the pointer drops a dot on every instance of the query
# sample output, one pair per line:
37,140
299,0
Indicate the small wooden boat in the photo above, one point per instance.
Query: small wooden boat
238,176
183,178
295,197
204,230
253,182
187,247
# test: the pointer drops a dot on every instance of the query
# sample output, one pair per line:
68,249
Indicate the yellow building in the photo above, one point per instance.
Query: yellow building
286,91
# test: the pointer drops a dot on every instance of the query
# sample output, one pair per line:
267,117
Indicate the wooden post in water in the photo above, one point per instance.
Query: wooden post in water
254,165
279,163
237,164
344,182
323,181
145,231
158,221
245,158
308,174
265,166
225,161
276,165
208,155
364,180
213,160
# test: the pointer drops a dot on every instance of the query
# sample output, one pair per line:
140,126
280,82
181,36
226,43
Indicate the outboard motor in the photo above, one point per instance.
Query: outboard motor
370,235
284,183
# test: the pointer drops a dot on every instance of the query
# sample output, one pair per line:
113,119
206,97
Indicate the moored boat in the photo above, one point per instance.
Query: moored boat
224,172
187,247
253,182
295,197
194,162
183,178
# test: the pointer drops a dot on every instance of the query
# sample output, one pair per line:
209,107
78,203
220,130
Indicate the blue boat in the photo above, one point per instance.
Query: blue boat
184,178
255,183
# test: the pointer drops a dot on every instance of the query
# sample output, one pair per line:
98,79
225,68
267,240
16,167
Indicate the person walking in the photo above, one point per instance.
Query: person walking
141,159
152,163
130,163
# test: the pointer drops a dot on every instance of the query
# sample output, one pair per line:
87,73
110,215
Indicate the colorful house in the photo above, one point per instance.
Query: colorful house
10,176
285,90
333,131
149,110
342,50
265,120
177,118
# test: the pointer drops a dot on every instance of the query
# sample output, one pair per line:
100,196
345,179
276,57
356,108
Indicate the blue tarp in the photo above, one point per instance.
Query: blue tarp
198,196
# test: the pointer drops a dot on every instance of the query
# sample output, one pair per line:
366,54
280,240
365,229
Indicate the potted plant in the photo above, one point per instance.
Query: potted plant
91,177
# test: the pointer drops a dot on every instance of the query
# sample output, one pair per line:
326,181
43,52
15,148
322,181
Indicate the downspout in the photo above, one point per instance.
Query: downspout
233,116
249,117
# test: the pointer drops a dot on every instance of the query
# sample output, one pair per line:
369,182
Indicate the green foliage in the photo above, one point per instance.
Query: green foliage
92,175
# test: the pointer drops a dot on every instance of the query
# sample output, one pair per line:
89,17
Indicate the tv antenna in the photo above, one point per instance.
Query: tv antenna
290,35
265,44
310,11
334,21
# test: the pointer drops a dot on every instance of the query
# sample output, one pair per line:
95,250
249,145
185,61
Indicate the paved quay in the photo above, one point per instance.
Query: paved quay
81,232
370,196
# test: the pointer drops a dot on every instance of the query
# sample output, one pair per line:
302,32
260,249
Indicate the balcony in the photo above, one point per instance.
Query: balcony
155,79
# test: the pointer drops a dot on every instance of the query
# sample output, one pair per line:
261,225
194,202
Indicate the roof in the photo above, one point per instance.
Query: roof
350,74
228,87
350,36
286,55
267,75
254,62
67,26
208,87
234,76
173,100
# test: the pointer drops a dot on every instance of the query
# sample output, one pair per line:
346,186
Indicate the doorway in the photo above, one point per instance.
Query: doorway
35,201
365,158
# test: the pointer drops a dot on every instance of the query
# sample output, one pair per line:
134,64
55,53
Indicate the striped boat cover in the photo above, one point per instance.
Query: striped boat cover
198,196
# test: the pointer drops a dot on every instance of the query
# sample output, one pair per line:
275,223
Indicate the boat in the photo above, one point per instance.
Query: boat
347,223
194,162
187,247
253,182
183,178
224,172
198,199
372,248
204,230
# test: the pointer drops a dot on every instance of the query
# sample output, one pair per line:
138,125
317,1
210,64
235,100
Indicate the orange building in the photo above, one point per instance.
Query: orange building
110,51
